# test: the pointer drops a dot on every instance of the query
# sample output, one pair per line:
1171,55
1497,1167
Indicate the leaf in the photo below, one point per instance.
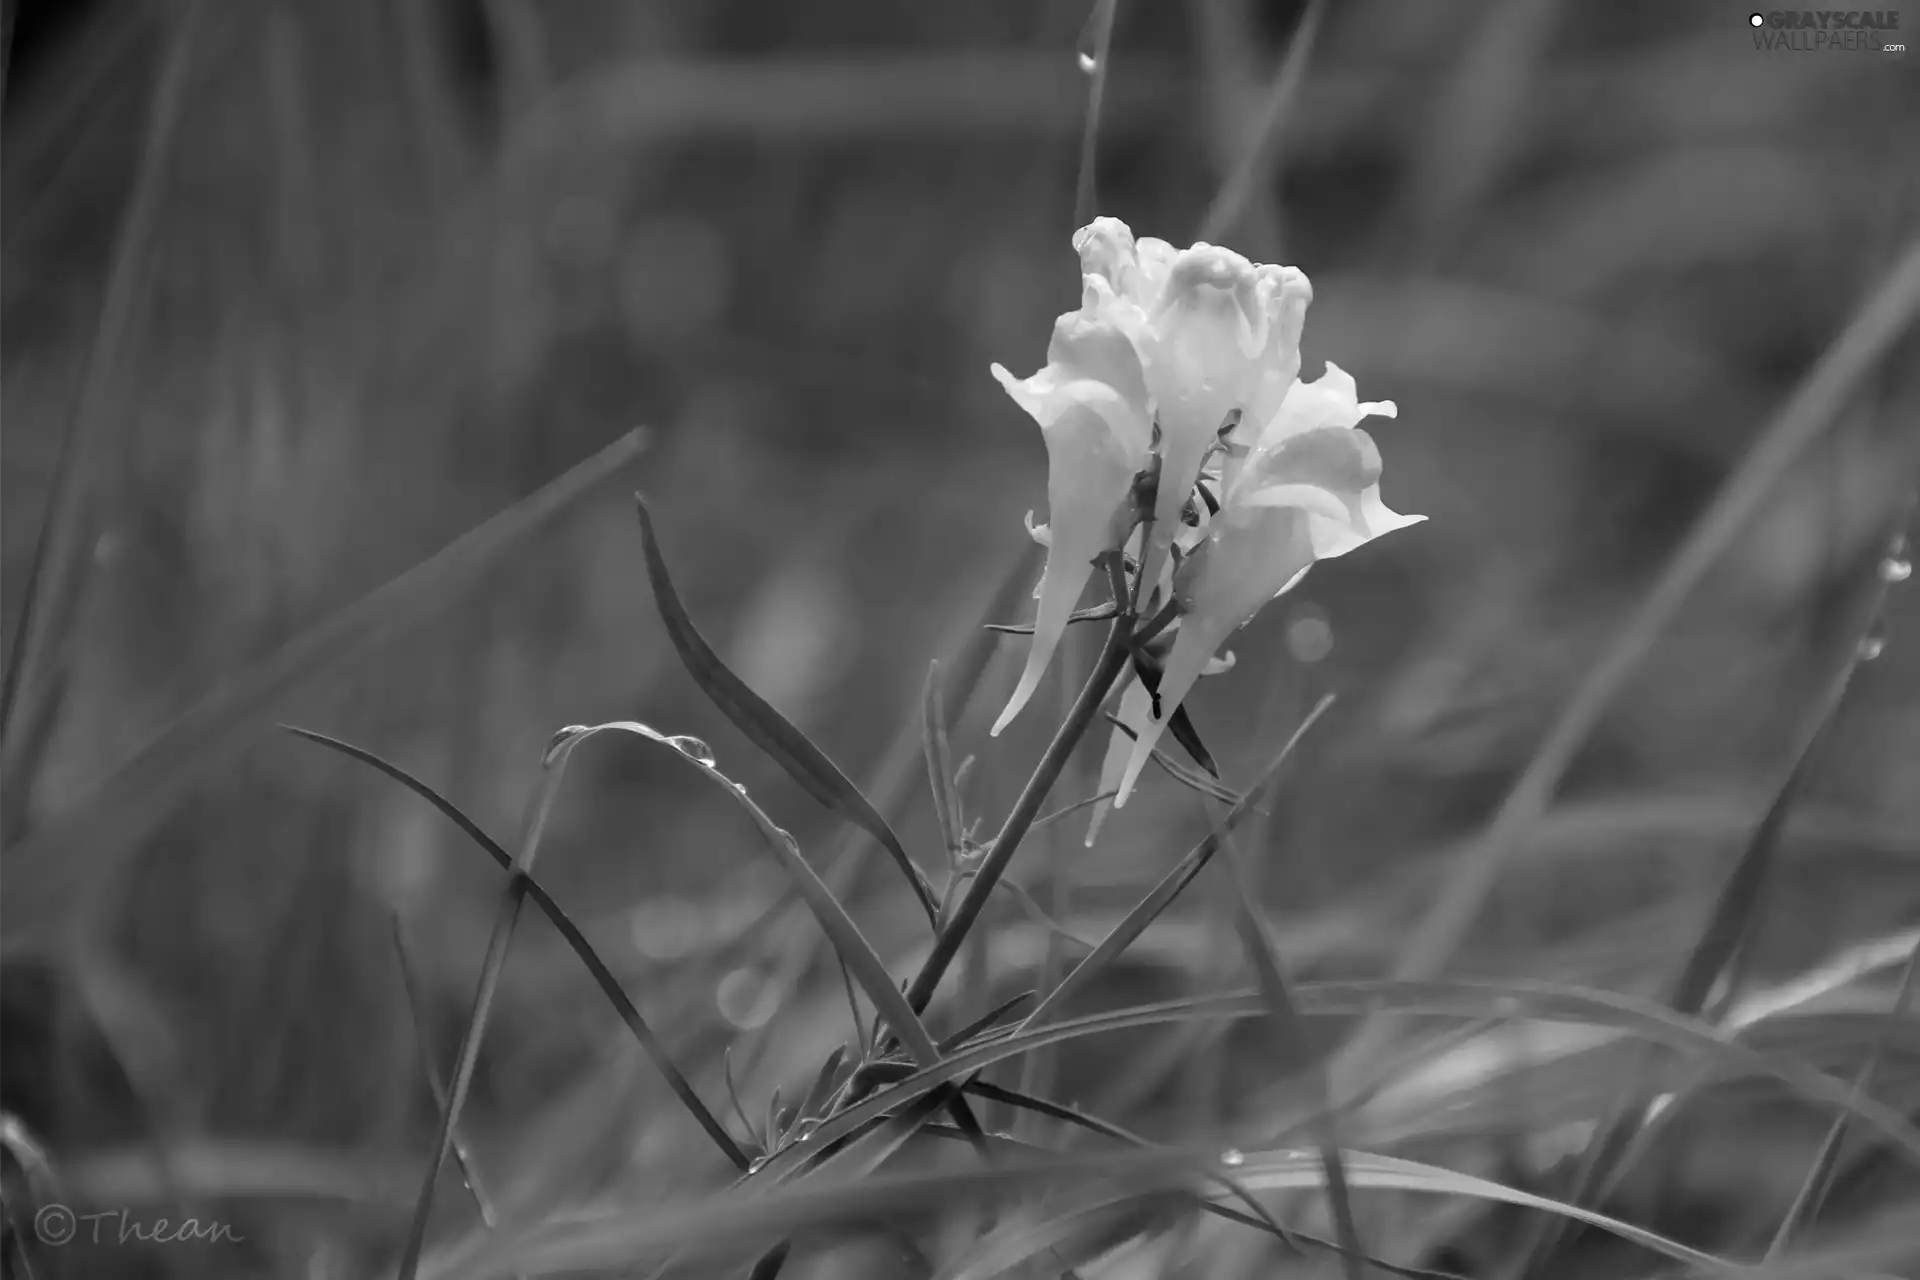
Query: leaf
1179,724
621,1236
50,873
1548,1002
603,976
765,727
1096,613
840,929
1186,777
1148,909
821,1093
553,769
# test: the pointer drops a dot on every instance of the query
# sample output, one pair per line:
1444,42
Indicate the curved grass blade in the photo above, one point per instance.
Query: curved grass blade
620,1237
1807,1202
859,955
765,727
603,976
1438,997
1162,895
552,771
1297,1170
53,870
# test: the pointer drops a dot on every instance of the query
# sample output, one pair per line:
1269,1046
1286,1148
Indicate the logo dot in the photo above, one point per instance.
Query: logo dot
1756,19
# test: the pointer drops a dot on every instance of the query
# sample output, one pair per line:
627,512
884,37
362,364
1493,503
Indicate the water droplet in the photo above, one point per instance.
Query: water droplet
1872,645
1895,569
757,1163
1233,1157
1093,35
693,749
560,741
1309,636
805,1128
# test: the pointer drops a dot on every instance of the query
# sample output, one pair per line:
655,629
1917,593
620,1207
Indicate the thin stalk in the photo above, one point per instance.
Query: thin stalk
1086,709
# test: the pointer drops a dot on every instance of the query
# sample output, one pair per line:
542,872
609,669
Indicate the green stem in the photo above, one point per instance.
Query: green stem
1112,661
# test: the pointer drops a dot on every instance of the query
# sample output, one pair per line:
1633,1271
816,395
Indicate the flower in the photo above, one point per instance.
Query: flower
1306,489
1182,340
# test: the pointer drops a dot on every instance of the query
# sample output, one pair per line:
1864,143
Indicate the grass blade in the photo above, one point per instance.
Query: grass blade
1812,1195
860,958
603,976
553,768
1550,1002
1879,324
1607,1158
765,727
1148,909
1297,1046
1257,166
619,1237
61,549
52,871
1112,661
462,1156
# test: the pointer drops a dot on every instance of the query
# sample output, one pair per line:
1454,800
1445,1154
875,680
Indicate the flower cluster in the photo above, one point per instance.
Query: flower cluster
1178,377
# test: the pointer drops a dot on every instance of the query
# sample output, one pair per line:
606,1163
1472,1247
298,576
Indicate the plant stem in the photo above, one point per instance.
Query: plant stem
1112,661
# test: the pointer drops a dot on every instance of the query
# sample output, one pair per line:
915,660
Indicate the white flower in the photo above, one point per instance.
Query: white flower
1206,335
1307,490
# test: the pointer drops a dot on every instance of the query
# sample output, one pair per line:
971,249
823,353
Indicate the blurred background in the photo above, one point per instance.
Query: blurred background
302,292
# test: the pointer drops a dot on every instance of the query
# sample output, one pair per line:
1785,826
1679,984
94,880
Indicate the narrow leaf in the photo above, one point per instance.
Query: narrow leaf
765,727
1162,895
1549,1002
603,976
1097,613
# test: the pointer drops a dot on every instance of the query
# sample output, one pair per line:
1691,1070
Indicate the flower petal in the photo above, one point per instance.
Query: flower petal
1254,553
1136,712
1199,362
1095,445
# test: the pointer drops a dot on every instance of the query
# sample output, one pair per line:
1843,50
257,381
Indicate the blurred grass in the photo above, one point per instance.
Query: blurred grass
409,262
